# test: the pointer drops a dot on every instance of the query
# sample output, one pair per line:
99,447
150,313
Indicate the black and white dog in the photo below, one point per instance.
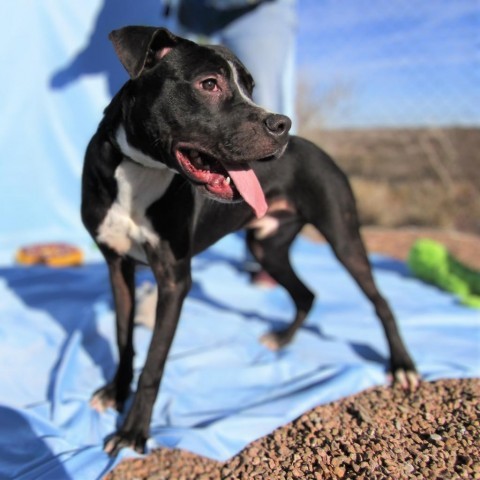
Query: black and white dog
183,157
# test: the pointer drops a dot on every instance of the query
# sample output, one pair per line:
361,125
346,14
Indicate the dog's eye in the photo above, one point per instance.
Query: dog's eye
210,84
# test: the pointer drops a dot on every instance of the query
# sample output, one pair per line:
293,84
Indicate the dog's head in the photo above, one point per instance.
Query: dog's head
190,106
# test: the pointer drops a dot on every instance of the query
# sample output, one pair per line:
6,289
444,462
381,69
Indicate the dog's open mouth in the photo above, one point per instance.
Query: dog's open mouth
224,182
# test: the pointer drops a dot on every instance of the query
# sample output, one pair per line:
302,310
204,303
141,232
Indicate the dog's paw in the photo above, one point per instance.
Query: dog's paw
407,379
276,340
119,440
106,397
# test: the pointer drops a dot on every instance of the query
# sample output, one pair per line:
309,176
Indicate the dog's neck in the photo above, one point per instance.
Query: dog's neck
135,154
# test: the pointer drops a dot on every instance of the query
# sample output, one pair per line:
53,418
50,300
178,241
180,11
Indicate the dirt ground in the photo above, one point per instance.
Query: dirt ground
381,433
397,242
419,176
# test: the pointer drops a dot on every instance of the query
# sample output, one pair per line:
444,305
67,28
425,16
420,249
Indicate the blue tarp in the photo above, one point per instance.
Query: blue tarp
222,388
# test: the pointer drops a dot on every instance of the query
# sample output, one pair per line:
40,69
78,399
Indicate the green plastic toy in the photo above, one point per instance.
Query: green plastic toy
433,263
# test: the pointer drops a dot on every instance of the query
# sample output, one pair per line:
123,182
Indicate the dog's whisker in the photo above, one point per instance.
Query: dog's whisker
156,142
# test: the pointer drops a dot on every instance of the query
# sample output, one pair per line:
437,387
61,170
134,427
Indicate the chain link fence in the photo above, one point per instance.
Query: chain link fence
392,90
390,62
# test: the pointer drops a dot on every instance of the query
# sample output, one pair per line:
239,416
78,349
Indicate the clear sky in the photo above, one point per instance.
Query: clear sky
398,62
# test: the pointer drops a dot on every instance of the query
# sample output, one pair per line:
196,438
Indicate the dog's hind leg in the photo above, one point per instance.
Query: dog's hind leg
340,227
114,393
272,252
351,253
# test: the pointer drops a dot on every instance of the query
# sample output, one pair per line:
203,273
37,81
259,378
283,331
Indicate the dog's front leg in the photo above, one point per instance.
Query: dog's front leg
114,393
173,278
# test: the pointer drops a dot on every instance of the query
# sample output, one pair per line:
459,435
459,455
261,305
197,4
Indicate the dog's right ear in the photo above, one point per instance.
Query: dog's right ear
140,48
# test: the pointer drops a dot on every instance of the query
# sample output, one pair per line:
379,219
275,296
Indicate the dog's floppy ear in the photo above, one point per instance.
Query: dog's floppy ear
139,48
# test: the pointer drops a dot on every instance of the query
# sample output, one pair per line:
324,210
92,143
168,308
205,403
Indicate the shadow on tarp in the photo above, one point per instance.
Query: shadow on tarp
98,56
69,297
363,350
20,445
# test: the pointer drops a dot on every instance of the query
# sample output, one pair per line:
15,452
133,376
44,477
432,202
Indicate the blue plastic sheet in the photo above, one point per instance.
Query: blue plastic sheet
221,389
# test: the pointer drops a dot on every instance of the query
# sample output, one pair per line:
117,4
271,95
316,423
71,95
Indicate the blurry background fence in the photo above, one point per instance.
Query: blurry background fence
391,88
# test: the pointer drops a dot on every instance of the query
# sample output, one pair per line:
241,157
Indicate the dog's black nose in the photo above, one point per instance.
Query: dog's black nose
278,124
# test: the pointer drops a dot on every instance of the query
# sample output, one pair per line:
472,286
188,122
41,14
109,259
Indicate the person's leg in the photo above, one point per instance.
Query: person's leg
264,40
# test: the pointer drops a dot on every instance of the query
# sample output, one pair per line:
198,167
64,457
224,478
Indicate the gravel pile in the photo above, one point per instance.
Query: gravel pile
381,433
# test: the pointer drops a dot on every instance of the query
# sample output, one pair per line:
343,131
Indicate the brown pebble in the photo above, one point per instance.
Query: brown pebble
339,472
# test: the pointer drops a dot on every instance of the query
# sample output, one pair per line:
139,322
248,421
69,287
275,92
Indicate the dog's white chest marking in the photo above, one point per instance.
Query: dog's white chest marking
126,226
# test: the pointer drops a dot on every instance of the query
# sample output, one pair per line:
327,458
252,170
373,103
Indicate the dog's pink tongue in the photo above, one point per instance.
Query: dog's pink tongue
249,188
